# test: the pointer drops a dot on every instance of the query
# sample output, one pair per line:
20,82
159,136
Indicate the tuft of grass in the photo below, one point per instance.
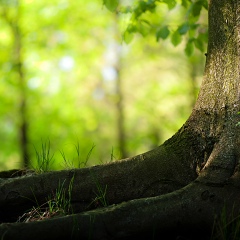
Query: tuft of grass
113,158
77,148
58,204
88,156
100,199
61,202
69,164
44,157
226,227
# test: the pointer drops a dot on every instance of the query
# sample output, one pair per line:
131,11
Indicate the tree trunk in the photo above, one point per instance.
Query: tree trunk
23,128
119,89
177,188
13,21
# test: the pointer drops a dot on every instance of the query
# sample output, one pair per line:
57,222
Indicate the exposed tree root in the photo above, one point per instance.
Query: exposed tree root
186,211
154,173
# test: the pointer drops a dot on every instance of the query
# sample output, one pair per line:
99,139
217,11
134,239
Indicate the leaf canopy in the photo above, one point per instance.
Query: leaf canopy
148,17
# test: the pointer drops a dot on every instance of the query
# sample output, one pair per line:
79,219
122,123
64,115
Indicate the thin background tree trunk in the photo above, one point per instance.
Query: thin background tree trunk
13,21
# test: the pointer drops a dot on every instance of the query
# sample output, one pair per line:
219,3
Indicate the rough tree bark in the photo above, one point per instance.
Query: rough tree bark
178,187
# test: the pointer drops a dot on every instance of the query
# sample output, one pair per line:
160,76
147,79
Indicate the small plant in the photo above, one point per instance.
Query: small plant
44,158
77,147
226,227
100,199
101,196
87,157
57,205
69,164
62,199
113,158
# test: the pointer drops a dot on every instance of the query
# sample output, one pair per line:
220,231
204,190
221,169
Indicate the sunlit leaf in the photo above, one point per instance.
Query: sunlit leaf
189,48
176,38
200,41
132,28
111,4
183,28
196,8
205,4
125,9
143,27
171,3
199,44
203,37
162,33
128,36
192,30
151,6
143,6
185,3
145,21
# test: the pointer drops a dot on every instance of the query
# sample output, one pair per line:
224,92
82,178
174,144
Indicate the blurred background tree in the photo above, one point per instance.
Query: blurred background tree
68,77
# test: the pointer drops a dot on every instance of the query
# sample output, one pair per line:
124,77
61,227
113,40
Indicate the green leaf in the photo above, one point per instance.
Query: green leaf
125,9
143,27
143,6
176,38
151,5
199,44
196,8
183,28
189,48
132,27
192,30
185,3
200,41
128,36
205,4
111,5
162,33
203,37
146,22
171,3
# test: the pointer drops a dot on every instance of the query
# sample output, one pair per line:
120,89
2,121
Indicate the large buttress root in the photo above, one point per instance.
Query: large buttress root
185,212
154,173
188,210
